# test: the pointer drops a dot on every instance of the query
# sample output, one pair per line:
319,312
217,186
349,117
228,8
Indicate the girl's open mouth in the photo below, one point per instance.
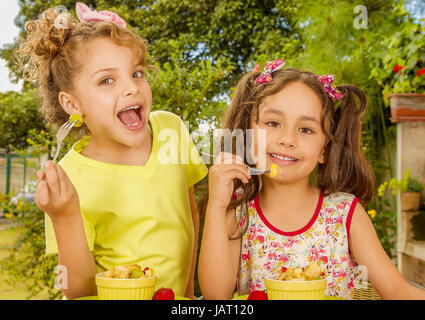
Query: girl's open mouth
132,117
282,160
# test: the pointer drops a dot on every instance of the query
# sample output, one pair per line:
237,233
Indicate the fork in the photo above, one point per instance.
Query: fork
251,171
61,134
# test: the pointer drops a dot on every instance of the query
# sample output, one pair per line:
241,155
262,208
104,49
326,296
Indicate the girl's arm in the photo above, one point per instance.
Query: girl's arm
219,256
195,217
57,197
368,251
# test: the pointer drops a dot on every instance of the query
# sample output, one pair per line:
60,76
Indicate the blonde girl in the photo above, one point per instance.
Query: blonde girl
111,200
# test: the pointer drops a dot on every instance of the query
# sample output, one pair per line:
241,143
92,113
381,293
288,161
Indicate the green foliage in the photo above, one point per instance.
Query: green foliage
405,184
415,185
190,89
27,262
406,49
18,114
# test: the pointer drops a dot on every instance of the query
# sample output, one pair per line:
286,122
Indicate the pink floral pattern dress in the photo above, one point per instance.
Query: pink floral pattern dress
266,249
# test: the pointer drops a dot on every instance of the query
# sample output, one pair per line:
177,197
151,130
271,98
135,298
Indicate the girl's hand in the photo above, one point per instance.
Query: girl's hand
55,194
227,167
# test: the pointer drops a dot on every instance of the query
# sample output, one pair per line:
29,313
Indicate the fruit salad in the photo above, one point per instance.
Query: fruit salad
312,272
129,271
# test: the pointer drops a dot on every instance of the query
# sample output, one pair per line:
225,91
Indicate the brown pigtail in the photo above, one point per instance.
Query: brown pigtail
346,168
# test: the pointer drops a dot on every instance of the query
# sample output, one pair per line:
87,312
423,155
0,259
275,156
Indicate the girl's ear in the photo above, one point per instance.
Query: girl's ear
69,103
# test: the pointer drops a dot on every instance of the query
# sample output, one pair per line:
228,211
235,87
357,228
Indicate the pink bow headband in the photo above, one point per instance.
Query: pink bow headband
325,80
85,14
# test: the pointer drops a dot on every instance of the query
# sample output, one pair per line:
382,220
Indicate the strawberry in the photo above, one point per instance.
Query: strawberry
164,294
283,270
257,295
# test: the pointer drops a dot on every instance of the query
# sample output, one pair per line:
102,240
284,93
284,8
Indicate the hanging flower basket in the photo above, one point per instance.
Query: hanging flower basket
407,107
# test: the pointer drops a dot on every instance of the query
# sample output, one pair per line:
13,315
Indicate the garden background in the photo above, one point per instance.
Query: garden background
201,49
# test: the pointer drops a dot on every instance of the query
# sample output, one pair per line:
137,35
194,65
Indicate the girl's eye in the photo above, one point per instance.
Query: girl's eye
140,74
306,130
106,81
273,124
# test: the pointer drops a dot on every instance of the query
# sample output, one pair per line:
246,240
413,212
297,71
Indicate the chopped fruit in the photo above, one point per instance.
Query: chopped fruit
310,272
164,294
149,272
129,271
257,295
274,170
77,118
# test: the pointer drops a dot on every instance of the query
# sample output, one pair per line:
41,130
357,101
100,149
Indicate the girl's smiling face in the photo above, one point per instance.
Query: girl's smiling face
291,120
112,80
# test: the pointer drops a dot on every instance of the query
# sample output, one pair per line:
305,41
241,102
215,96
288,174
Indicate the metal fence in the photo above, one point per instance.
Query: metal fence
16,171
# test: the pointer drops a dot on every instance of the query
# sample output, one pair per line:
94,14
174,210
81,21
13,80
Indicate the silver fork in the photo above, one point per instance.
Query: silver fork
61,134
251,171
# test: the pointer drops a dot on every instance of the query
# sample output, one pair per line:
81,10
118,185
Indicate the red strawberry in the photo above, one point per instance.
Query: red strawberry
283,269
164,294
257,295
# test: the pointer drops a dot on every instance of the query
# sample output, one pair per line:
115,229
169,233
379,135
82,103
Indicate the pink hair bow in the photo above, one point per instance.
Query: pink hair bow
327,82
266,75
85,14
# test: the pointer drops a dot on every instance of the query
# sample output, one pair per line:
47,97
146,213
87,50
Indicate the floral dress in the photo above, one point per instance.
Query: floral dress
266,249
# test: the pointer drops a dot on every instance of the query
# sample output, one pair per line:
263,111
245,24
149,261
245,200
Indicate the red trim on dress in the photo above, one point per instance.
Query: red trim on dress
350,216
292,233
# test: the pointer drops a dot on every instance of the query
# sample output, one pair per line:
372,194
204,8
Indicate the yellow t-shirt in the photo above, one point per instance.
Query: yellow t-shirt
140,214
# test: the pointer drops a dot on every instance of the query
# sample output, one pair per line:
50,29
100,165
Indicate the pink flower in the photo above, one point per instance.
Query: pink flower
272,256
324,259
246,256
261,239
351,284
252,233
267,266
339,220
85,14
274,244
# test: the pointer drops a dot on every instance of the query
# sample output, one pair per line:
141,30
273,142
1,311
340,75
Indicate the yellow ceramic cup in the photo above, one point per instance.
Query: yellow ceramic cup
125,289
295,290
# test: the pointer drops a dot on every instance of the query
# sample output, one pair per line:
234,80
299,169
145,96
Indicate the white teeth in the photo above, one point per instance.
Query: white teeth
133,124
130,108
283,158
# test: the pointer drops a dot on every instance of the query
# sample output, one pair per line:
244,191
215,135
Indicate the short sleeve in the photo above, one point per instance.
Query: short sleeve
51,244
196,170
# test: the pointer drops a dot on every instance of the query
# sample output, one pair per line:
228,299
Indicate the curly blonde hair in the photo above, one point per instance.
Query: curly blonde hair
48,55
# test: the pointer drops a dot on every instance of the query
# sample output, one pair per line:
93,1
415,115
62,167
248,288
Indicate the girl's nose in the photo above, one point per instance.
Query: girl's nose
287,139
131,88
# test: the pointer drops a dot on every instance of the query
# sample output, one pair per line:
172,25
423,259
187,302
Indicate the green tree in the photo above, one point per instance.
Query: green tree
19,114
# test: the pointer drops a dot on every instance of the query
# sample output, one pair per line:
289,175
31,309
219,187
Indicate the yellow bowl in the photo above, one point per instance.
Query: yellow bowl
295,290
125,289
